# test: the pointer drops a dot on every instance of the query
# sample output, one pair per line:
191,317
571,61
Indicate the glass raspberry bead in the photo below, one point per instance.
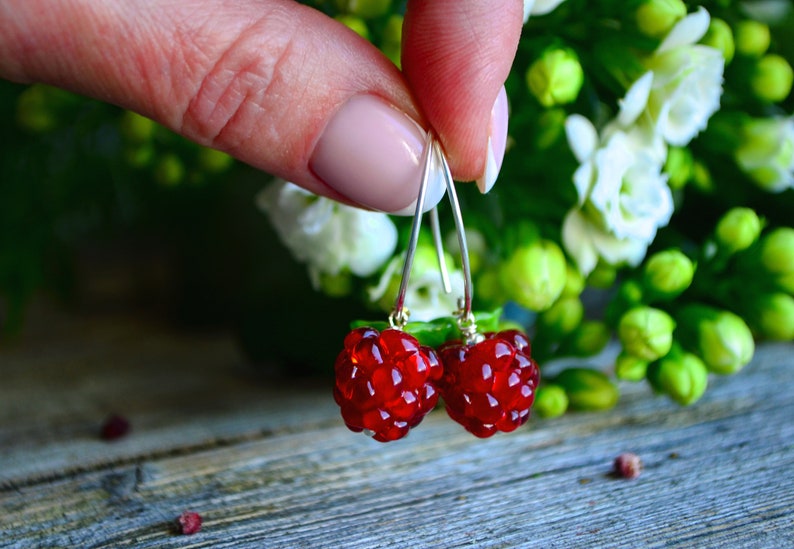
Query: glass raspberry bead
489,386
385,382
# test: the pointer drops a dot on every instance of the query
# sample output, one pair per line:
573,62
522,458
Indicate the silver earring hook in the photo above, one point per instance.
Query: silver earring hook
466,322
435,228
435,157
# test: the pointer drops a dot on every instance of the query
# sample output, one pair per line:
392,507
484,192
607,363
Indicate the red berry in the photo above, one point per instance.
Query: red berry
189,522
114,427
489,386
385,382
628,465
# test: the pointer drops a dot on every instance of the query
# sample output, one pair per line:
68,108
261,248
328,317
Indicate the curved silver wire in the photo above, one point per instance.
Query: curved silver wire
466,322
399,316
435,157
435,228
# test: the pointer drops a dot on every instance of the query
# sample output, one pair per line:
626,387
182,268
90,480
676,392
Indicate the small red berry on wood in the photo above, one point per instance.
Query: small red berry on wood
189,523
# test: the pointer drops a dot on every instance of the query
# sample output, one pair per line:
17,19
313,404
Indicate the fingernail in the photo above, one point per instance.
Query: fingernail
372,153
497,142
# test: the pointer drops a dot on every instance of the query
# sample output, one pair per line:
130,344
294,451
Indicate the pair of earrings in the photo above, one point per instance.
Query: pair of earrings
387,382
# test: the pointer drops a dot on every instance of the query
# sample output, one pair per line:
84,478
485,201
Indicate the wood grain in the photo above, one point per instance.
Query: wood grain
268,464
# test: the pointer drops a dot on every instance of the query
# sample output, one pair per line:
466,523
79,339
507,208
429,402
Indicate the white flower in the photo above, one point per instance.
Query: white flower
636,100
623,195
425,297
328,236
586,242
767,152
539,7
687,81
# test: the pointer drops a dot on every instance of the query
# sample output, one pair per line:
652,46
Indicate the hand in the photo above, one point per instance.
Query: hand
284,88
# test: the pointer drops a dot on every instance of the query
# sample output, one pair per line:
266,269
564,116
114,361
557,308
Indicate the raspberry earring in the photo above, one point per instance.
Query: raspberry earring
386,381
489,381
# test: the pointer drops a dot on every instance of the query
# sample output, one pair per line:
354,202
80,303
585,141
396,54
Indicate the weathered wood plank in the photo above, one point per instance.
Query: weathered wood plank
720,473
179,391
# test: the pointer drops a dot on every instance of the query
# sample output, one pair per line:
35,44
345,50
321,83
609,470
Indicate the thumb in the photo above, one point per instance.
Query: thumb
456,57
274,83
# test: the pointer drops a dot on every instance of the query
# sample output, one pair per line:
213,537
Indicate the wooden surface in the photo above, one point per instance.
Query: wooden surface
269,464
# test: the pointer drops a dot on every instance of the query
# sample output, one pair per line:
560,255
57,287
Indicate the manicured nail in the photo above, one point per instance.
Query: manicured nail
497,142
372,153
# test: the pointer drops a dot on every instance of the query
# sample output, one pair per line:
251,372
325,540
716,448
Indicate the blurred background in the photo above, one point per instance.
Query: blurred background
102,210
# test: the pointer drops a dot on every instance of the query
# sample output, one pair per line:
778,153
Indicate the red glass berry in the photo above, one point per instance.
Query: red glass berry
385,382
489,386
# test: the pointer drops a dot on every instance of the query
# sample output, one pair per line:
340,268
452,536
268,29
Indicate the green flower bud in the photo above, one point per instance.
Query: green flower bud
588,389
504,325
556,77
489,288
681,376
562,317
765,151
655,18
720,37
393,31
772,316
679,166
139,156
338,285
631,291
534,276
719,337
628,296
169,170
667,274
646,333
354,23
603,276
425,259
630,368
752,38
476,245
214,161
588,339
391,42
574,282
364,8
550,401
772,78
738,229
136,128
550,127
39,108
776,253
701,177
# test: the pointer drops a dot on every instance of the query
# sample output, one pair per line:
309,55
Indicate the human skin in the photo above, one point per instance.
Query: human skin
263,79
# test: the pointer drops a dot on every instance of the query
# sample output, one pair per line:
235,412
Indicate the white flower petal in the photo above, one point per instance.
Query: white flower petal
583,181
636,100
372,239
582,136
576,233
686,91
542,7
687,31
617,251
528,5
329,237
